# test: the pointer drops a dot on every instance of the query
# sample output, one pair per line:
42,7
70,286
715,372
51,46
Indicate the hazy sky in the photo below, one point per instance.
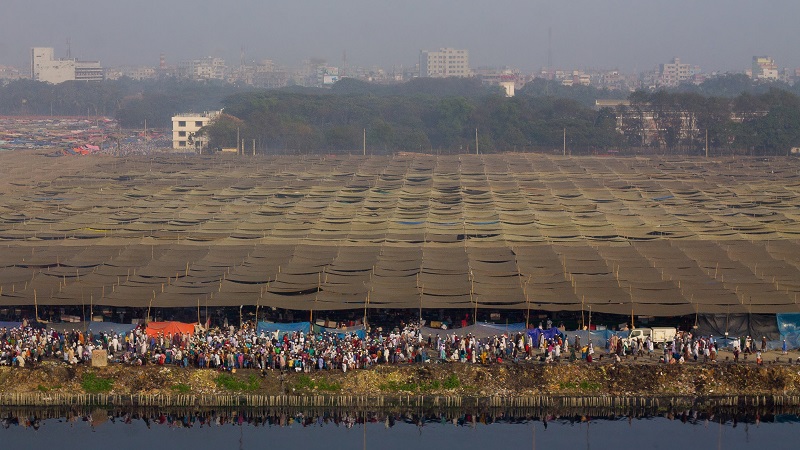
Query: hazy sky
606,34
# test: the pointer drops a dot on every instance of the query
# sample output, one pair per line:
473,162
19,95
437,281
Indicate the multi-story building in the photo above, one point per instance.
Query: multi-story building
675,73
208,68
764,68
45,67
185,127
447,62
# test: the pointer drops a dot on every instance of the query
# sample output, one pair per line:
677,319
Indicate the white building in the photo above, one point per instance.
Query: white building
44,67
675,73
185,128
447,62
764,68
208,68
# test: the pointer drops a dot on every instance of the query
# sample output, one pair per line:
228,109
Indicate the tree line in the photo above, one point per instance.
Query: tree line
678,121
435,115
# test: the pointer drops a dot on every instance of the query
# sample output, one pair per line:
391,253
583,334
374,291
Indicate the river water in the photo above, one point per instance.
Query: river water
285,429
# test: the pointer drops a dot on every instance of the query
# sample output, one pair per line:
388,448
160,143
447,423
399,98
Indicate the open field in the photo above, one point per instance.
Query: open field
655,236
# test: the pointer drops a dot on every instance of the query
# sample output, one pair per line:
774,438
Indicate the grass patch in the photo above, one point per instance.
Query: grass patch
305,382
41,388
452,382
231,383
182,388
93,384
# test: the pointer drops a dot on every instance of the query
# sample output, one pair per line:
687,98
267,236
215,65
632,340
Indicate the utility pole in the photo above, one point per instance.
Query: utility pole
237,140
565,142
476,142
706,143
254,147
364,145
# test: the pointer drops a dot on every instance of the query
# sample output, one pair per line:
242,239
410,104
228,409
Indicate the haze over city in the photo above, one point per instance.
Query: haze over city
629,35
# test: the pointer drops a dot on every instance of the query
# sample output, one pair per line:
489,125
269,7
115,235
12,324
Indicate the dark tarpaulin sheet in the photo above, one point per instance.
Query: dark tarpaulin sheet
110,328
479,330
739,325
789,327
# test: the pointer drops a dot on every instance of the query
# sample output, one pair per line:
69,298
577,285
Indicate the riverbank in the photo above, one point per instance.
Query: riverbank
506,385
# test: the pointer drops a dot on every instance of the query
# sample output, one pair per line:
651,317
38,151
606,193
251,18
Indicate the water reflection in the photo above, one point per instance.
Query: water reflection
312,417
136,428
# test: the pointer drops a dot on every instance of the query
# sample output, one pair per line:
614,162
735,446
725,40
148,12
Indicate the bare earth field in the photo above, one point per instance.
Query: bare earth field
629,378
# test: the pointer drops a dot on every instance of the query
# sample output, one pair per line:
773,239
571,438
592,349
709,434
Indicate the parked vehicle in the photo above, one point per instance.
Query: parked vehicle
659,335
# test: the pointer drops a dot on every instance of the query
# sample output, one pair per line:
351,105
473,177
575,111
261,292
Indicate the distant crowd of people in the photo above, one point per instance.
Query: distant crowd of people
230,348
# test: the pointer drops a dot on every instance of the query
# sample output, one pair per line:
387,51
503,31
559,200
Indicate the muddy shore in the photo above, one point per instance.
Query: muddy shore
50,381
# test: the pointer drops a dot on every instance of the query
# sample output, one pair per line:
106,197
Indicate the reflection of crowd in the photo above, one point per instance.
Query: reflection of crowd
314,418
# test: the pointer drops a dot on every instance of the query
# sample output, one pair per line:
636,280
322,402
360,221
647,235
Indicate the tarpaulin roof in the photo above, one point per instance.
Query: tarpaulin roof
166,328
271,327
645,236
479,330
110,327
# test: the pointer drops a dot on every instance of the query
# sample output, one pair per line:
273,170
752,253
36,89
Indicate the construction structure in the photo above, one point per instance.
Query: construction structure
629,236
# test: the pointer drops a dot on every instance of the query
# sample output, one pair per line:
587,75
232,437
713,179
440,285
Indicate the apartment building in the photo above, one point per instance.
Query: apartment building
446,62
185,127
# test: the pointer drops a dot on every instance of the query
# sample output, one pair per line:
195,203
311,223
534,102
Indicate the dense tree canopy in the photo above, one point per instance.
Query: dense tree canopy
442,115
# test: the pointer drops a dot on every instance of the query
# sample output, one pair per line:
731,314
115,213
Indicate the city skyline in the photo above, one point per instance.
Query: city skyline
719,35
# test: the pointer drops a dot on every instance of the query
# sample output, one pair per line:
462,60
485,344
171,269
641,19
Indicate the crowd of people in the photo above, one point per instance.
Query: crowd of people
230,348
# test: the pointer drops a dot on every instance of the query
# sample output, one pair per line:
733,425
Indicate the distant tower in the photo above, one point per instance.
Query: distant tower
162,62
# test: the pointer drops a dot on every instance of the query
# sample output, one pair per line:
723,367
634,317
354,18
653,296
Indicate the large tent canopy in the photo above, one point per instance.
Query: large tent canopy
645,236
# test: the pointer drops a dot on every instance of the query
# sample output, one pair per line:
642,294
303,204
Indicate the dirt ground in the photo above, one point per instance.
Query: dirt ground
642,376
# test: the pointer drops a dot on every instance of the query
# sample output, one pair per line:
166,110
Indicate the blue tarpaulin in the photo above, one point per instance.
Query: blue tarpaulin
342,332
304,327
548,334
789,327
271,327
9,325
599,338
